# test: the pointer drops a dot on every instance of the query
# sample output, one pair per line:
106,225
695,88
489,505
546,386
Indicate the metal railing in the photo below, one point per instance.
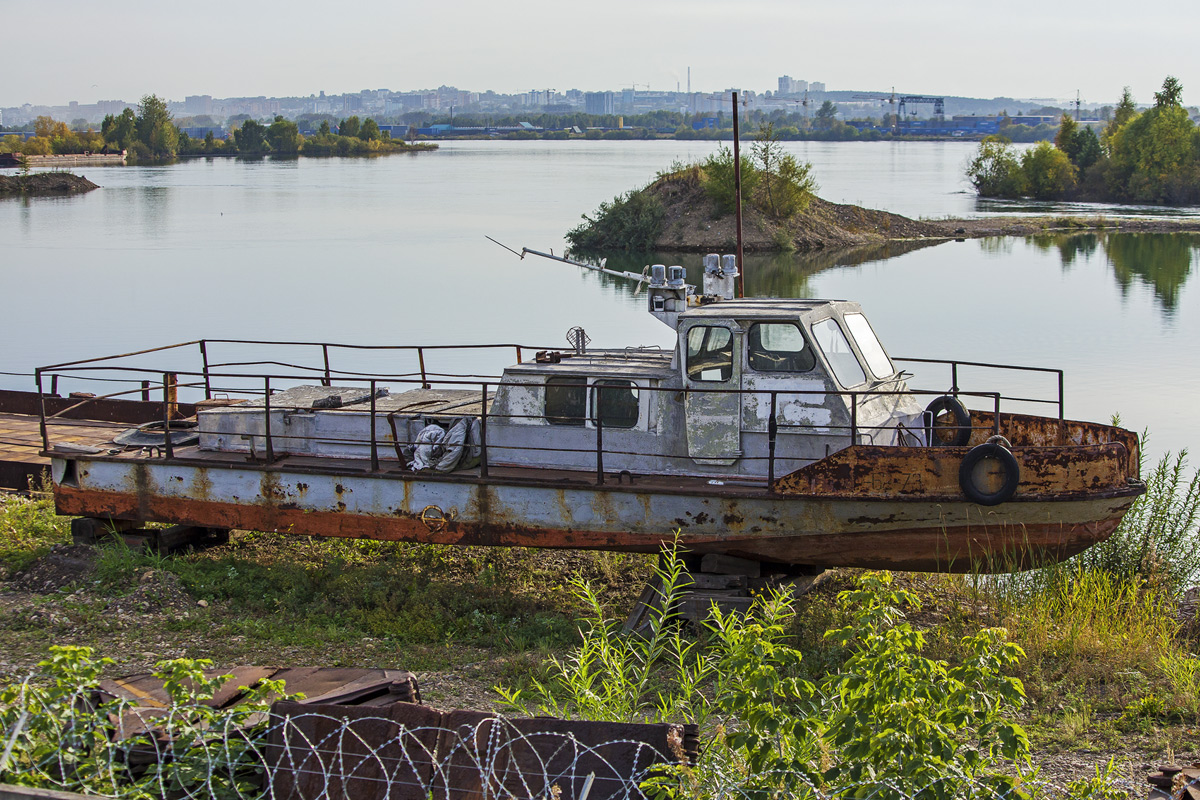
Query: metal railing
214,377
955,364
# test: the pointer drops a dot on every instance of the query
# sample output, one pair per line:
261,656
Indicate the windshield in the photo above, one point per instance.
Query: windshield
829,337
869,346
778,347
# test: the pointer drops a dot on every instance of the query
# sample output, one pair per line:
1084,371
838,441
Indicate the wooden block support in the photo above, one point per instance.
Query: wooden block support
697,606
704,580
90,530
730,565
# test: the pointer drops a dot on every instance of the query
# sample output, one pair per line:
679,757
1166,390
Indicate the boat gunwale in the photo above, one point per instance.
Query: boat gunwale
693,485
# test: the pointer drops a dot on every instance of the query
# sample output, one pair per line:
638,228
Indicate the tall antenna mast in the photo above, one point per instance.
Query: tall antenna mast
737,189
1077,104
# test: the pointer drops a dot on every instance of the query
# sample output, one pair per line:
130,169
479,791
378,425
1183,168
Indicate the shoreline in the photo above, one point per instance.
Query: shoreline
980,228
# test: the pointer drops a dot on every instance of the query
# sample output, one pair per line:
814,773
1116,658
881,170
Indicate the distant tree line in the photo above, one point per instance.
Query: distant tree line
51,137
1151,156
150,135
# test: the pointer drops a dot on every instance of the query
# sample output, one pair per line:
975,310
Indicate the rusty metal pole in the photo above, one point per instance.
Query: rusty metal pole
172,386
599,452
737,190
1061,411
374,442
270,450
37,376
483,416
772,431
204,360
854,418
328,381
168,447
421,361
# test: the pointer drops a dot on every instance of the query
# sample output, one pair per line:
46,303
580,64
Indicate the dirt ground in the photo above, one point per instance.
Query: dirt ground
58,600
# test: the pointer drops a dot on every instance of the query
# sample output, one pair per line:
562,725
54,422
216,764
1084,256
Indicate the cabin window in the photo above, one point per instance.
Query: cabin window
615,403
709,353
778,347
869,346
566,400
829,337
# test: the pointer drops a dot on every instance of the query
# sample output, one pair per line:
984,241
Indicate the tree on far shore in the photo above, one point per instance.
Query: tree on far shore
155,128
1151,156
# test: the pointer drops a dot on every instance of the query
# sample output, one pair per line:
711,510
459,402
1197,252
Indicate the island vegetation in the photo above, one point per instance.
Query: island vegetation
150,135
690,208
1150,157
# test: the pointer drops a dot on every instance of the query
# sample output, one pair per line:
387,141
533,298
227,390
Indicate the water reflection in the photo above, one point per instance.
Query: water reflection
1038,208
768,274
1160,261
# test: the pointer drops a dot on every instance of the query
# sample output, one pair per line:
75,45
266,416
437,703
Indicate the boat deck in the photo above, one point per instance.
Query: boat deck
21,443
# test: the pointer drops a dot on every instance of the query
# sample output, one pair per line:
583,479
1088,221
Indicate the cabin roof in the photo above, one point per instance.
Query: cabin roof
758,308
632,362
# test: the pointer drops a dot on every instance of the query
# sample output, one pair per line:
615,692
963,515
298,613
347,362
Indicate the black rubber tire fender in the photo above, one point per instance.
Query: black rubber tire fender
1006,461
962,421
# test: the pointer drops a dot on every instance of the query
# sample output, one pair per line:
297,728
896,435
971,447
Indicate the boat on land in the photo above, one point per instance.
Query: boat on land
777,431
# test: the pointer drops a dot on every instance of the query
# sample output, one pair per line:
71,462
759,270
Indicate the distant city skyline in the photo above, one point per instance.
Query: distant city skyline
69,51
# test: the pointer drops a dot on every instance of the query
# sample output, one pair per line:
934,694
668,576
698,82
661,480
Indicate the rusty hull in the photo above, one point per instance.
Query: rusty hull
934,530
1046,473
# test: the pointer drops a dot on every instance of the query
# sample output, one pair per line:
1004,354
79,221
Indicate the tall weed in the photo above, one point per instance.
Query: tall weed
658,676
1157,540
1088,617
891,722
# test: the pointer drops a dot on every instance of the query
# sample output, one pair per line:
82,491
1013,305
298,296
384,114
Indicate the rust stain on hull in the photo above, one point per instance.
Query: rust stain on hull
869,471
945,548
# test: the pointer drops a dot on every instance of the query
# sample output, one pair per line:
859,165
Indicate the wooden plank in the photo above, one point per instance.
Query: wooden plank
10,792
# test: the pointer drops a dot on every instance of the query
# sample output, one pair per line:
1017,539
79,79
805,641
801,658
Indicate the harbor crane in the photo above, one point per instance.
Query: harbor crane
889,99
939,104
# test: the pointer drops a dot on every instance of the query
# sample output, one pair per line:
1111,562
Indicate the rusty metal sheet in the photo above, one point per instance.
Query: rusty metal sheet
409,751
1026,430
132,412
363,753
319,685
145,690
932,472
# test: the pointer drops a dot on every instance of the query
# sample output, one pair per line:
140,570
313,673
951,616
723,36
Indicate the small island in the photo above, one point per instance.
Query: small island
690,208
44,184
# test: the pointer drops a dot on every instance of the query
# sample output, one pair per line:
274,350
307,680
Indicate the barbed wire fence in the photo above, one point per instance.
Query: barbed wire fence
119,750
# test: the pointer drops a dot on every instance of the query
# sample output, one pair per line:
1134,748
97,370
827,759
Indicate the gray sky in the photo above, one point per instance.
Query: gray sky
54,52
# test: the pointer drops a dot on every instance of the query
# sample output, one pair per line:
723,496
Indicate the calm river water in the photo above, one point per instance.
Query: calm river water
392,251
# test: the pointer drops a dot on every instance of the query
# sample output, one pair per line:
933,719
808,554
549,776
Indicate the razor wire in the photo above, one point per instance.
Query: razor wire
115,749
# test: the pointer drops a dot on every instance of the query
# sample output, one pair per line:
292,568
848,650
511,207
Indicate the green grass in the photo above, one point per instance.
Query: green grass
28,528
302,592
